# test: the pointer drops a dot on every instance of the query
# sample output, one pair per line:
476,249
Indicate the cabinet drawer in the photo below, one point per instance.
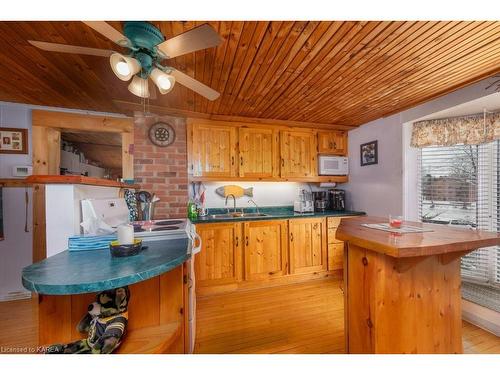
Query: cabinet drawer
335,256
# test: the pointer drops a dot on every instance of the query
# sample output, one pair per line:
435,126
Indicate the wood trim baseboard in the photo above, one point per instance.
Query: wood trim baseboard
480,316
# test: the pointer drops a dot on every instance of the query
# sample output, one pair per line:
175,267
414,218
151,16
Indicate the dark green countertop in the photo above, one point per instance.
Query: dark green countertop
273,213
75,272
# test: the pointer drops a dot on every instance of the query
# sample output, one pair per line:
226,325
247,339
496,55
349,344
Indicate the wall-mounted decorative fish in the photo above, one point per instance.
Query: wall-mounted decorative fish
235,190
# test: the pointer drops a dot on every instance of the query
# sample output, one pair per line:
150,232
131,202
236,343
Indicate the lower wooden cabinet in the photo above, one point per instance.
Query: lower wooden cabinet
220,258
307,243
265,249
260,253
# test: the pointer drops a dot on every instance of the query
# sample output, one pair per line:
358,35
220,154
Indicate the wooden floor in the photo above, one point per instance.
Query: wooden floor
298,318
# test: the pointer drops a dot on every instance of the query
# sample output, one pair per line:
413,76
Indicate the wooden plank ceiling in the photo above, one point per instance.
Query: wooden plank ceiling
345,73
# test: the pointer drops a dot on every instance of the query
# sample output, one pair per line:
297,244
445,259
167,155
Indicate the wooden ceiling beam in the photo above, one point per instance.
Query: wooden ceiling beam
93,123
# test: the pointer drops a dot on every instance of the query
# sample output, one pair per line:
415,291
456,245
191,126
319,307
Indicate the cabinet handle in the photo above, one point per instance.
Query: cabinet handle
282,162
241,160
232,160
246,241
330,145
291,237
315,226
334,145
237,242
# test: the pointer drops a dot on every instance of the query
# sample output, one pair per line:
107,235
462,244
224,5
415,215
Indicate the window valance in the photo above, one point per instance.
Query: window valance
469,130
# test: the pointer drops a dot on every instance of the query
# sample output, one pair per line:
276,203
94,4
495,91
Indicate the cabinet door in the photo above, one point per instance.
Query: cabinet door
335,247
219,261
307,243
332,142
298,154
213,150
265,249
258,152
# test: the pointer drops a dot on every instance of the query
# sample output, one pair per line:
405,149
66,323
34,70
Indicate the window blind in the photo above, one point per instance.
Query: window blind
460,186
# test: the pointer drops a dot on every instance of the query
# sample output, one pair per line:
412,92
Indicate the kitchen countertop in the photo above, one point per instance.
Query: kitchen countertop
273,213
88,271
443,238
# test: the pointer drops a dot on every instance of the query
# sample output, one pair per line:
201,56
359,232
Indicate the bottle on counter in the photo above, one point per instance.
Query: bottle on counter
192,210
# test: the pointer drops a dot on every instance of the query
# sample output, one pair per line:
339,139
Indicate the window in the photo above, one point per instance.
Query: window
460,185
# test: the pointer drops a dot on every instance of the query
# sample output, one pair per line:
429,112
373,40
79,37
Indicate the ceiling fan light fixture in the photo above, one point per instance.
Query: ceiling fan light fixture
139,87
165,82
124,67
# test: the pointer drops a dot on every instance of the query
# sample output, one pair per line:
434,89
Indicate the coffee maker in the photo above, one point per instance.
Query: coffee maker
320,200
336,198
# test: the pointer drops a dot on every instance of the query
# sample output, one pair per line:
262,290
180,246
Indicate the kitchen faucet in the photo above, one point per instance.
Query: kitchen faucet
257,207
234,200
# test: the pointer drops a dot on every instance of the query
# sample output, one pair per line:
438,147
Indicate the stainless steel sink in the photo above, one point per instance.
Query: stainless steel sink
235,215
254,215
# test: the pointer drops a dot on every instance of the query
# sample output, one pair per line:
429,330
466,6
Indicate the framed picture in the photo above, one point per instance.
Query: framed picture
369,153
13,141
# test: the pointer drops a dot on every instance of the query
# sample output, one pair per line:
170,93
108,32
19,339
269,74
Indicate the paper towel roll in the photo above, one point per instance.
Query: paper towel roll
125,234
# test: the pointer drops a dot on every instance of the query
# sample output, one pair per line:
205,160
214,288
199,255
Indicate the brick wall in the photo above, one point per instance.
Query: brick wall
162,170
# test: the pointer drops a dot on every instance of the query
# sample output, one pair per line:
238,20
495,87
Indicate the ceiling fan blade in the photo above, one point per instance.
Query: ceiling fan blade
66,48
108,31
195,85
200,37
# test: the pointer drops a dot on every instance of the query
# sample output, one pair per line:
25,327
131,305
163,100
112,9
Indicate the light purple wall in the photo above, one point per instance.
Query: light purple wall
388,188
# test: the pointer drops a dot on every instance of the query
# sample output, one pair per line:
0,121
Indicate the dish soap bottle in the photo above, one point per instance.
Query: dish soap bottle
192,211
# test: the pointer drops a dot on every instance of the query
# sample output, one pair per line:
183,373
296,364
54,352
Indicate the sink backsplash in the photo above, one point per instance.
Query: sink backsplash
265,194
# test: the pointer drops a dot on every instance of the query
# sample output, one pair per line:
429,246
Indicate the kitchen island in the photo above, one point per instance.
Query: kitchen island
402,291
68,282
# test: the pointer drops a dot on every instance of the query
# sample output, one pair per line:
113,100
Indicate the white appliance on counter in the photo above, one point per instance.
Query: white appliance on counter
113,212
333,165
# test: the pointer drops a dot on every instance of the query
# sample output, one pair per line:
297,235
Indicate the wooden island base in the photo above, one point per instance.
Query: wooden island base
156,316
402,292
402,305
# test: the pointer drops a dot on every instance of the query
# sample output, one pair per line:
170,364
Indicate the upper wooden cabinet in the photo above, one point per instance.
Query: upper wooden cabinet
232,151
258,152
265,249
220,260
332,142
308,245
213,150
298,153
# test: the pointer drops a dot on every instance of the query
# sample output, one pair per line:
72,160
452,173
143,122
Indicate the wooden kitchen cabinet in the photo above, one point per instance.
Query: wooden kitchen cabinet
335,247
220,258
258,148
265,249
332,142
308,245
213,150
298,153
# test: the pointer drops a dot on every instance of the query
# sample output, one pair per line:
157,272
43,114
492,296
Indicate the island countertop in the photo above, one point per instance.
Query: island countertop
443,239
96,270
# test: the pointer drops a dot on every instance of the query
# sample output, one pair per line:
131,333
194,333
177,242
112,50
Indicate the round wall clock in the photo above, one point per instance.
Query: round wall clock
161,134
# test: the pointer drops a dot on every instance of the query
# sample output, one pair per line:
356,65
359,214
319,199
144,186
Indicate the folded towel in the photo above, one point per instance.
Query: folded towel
79,243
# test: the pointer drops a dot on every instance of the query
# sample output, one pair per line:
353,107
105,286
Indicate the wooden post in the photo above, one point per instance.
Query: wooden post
128,155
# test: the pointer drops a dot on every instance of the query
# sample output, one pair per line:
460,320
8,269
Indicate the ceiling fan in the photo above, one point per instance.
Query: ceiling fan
147,48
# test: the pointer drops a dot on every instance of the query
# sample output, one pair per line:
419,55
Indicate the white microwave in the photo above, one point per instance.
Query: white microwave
333,165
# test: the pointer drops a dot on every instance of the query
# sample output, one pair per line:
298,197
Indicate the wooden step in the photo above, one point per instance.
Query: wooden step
150,340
